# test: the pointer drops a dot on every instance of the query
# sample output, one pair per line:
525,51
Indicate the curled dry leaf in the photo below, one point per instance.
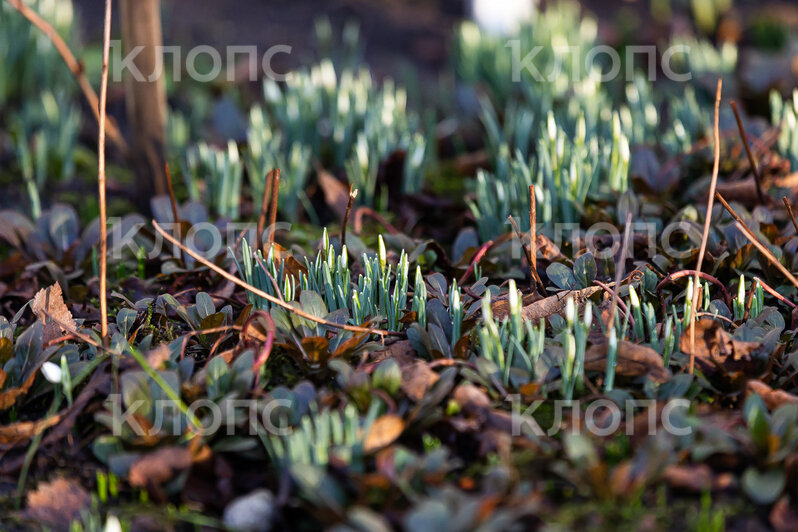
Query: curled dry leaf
715,347
48,305
633,361
383,432
773,398
57,503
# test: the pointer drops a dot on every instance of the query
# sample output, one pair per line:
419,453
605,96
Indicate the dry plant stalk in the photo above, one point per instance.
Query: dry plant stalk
101,178
264,210
758,180
352,196
707,220
273,207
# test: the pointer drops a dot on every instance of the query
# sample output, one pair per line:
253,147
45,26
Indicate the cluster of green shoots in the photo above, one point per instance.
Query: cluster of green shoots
341,117
560,129
30,62
43,122
222,173
565,169
46,132
512,342
783,115
560,38
265,273
322,435
379,293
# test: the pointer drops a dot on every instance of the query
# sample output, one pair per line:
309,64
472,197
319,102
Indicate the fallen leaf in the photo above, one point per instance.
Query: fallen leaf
336,194
10,396
383,432
715,347
57,503
159,467
16,433
773,398
48,305
417,379
634,360
471,399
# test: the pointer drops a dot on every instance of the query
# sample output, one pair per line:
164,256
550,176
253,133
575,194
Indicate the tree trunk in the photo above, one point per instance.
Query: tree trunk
146,100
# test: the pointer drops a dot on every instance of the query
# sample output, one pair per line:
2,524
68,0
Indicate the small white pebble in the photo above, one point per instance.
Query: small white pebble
253,512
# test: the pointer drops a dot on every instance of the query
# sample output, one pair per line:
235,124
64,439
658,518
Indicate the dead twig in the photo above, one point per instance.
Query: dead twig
789,210
703,275
758,180
619,267
707,220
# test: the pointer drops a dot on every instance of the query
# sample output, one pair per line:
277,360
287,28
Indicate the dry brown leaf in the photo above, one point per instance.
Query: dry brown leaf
16,433
417,379
773,398
715,347
159,467
336,194
383,432
471,399
57,503
9,397
48,305
634,360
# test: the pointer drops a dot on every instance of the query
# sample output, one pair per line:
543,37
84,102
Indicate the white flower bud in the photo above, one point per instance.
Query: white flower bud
52,372
570,310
